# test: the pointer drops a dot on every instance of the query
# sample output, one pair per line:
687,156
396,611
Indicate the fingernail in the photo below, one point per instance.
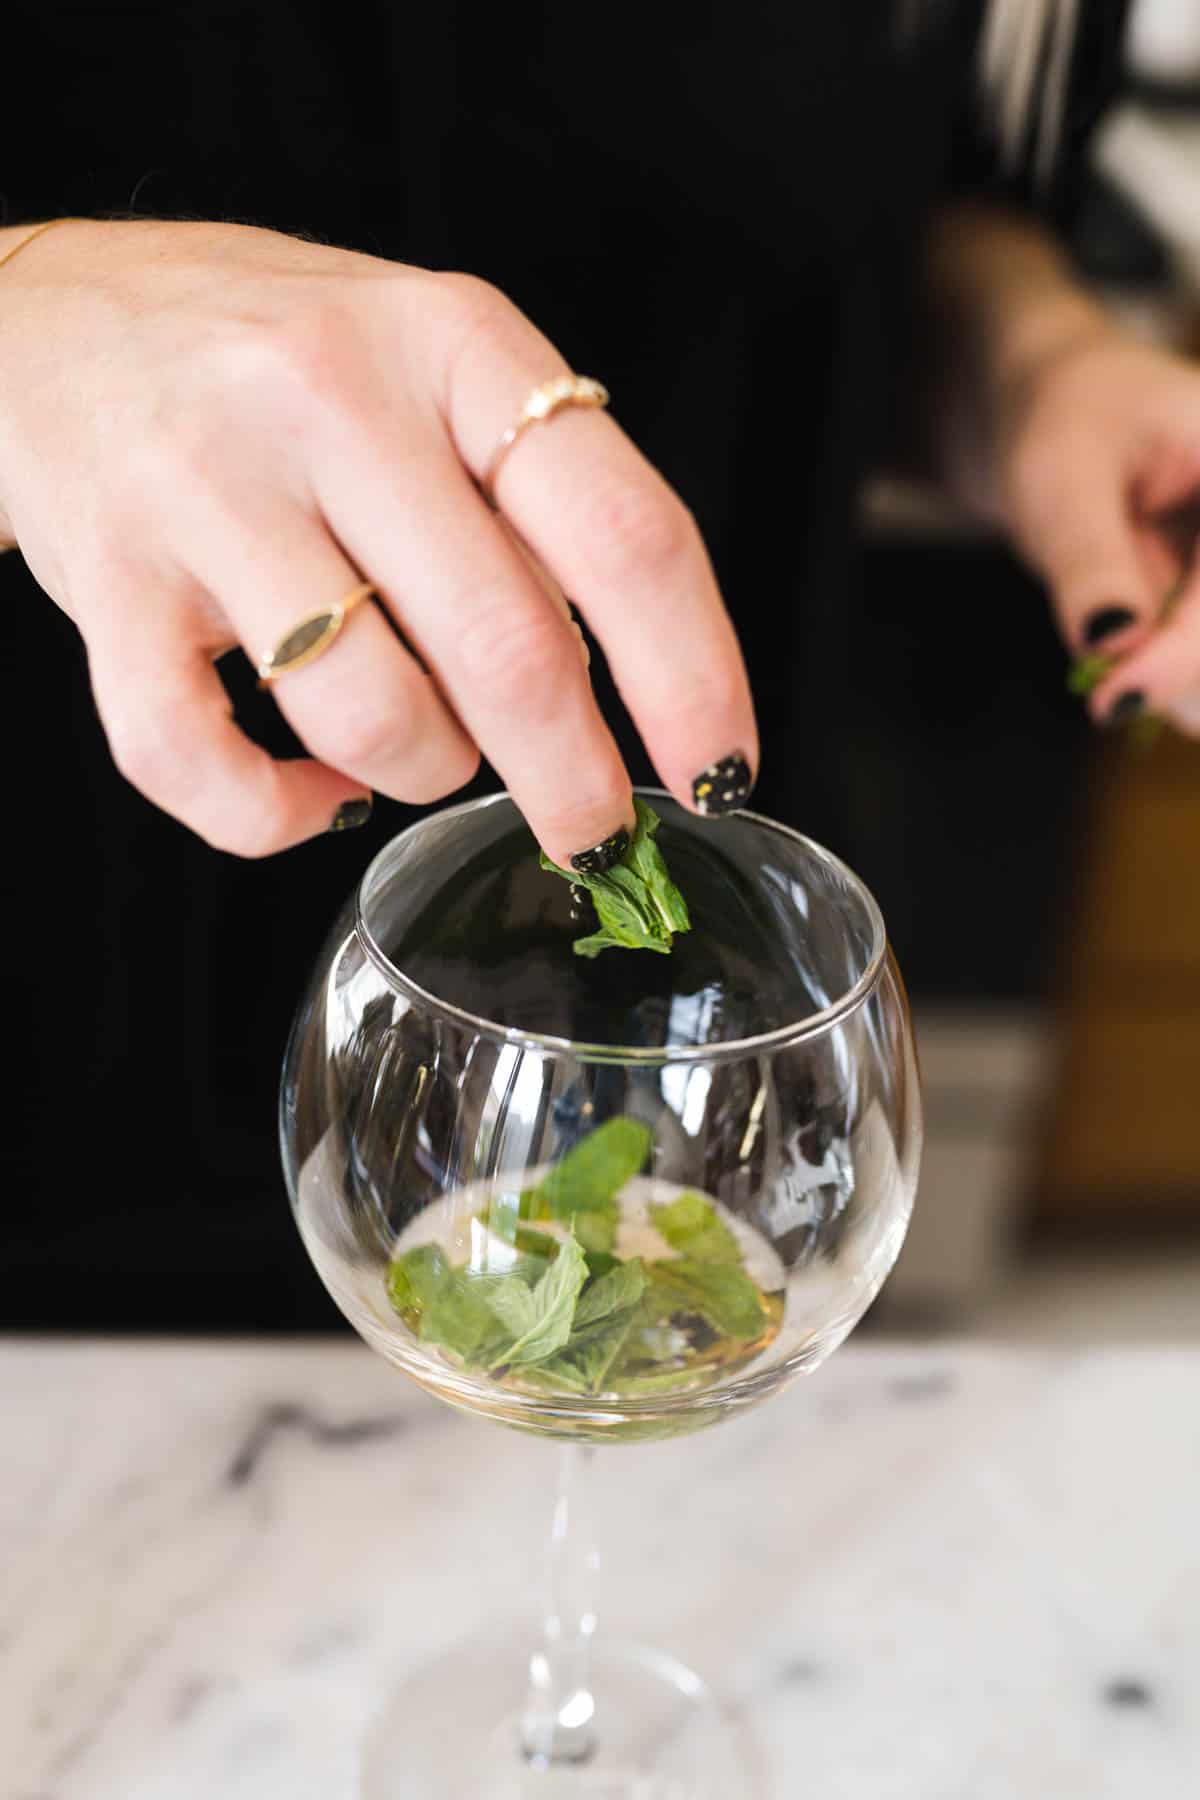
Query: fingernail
351,814
1106,622
1127,707
724,786
582,911
599,859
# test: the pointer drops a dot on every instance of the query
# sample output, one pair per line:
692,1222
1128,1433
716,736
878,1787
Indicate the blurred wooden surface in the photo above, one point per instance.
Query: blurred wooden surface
1122,1149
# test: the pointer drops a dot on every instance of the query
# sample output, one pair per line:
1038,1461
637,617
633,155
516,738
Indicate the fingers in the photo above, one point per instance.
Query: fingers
616,538
548,584
168,721
499,643
364,706
1075,523
1113,580
1161,674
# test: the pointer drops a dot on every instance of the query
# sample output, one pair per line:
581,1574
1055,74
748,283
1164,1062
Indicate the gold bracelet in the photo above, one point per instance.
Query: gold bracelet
46,225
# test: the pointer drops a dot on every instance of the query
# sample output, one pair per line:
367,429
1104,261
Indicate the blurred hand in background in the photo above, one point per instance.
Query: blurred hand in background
1083,444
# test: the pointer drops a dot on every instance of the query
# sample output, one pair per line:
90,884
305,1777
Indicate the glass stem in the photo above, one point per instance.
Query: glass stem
558,1724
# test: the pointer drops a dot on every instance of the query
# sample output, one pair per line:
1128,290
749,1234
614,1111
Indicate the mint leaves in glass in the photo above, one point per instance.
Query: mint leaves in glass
600,1198
594,1281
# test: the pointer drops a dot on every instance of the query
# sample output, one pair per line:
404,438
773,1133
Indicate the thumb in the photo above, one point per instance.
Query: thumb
1078,530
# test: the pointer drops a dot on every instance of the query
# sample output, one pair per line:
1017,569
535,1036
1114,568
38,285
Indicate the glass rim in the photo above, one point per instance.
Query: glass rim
812,1025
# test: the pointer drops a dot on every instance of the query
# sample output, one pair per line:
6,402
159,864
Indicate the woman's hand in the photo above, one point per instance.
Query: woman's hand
209,431
1083,443
1099,454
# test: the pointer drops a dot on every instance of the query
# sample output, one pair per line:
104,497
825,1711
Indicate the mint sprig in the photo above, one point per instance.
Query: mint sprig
638,905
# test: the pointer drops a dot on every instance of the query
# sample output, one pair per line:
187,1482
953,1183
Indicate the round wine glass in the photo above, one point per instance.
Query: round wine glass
602,1199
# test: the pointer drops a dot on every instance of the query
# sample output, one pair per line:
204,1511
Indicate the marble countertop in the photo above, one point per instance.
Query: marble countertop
945,1573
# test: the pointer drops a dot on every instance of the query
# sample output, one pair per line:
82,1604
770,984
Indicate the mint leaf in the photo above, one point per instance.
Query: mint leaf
594,1353
556,1377
638,905
460,1320
417,1277
604,1316
581,1190
692,1225
444,1306
548,1325
452,1308
528,1269
627,916
594,1171
598,941
590,1355
512,1301
647,862
719,1292
623,903
608,940
1087,672
505,1219
622,1287
597,1228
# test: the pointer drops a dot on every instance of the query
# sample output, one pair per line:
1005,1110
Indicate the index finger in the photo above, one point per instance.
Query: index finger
624,547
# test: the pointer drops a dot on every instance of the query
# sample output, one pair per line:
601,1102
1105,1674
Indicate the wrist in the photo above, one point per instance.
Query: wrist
1007,288
1007,307
1037,334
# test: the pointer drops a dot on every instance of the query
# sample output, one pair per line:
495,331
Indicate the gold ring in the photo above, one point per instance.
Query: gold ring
545,400
311,637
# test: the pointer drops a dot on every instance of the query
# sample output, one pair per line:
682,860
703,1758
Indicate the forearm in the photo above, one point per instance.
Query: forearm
1003,303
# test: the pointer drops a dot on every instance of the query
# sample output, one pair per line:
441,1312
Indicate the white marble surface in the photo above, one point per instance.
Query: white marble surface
952,1573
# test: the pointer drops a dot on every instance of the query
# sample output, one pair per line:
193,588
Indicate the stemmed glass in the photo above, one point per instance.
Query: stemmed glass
602,1201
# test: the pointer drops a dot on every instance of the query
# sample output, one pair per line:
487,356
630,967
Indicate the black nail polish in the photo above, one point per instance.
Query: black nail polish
601,857
1106,622
351,814
1127,707
724,786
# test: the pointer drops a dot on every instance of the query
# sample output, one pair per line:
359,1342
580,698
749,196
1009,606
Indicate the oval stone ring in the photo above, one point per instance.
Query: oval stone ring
311,637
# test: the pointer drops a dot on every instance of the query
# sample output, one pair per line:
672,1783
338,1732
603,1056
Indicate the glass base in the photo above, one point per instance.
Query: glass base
452,1732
